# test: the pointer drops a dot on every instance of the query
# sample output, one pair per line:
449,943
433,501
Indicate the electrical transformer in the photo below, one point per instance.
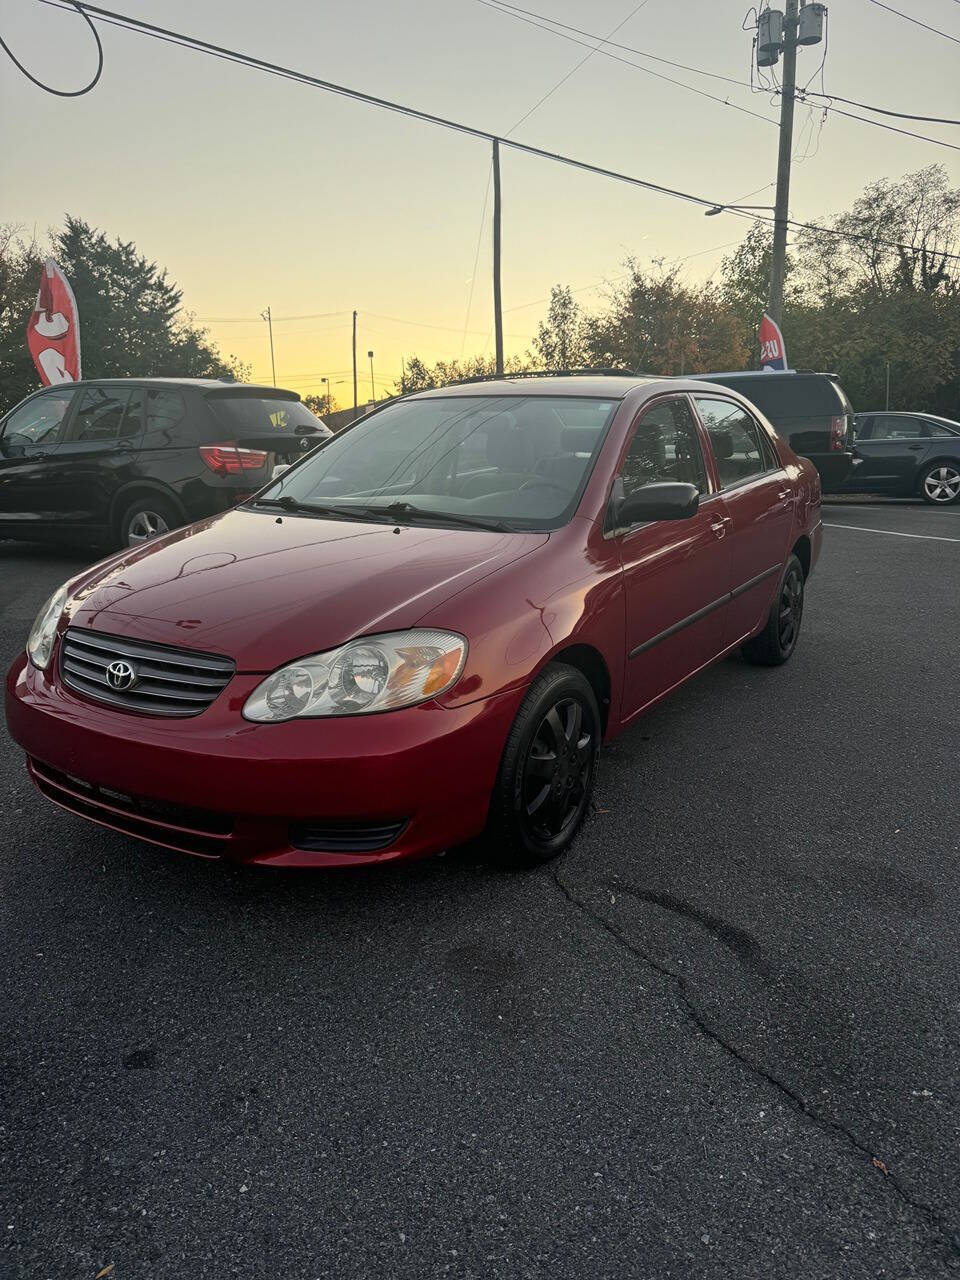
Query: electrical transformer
769,37
810,24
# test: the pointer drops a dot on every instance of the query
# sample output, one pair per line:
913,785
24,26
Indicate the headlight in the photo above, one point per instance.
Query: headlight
44,630
376,673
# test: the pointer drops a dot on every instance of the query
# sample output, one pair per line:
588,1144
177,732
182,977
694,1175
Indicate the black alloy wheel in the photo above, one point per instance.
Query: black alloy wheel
547,771
778,639
557,770
790,609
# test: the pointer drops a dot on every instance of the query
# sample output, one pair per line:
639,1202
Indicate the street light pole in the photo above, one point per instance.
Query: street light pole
373,389
354,365
265,315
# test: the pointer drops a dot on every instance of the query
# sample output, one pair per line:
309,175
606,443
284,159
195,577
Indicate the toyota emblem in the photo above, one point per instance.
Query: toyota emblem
121,675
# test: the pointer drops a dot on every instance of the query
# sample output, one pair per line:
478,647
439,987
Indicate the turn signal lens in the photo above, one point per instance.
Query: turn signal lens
376,673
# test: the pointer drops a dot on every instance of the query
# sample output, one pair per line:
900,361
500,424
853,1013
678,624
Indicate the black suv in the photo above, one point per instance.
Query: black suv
119,461
810,409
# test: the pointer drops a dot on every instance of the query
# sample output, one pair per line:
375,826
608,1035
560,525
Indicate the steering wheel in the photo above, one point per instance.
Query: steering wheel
546,484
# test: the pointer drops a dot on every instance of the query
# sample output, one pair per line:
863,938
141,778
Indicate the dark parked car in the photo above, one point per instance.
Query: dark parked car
810,409
425,629
907,454
118,461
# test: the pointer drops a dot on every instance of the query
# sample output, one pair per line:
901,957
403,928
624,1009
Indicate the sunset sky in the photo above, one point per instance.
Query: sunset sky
255,191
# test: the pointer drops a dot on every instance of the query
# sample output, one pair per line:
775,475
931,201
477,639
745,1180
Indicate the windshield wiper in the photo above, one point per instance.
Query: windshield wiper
407,511
388,514
296,507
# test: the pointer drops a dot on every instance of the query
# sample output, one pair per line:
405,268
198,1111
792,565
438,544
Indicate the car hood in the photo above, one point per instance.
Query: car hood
264,589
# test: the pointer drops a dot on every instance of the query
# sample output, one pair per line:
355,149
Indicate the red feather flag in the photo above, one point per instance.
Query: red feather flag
53,330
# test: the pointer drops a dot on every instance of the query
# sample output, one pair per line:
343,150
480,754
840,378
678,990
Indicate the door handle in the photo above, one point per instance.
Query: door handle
719,526
784,493
915,448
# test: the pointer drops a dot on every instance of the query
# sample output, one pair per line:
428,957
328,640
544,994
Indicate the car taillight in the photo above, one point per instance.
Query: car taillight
230,460
838,434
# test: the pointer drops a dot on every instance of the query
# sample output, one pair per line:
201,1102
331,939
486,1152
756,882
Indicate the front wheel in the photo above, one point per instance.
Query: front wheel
778,639
940,484
547,773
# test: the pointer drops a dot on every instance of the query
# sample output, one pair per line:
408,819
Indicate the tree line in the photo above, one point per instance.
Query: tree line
855,305
883,295
132,322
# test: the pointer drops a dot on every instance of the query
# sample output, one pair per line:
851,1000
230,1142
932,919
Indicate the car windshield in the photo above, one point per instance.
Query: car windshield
520,461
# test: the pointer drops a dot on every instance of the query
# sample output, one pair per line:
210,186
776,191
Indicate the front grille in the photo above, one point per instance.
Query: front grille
165,682
344,837
198,831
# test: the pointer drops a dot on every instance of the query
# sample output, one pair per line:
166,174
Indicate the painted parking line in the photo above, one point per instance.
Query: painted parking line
890,533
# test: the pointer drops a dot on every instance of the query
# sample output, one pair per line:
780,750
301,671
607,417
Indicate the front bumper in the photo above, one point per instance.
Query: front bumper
217,785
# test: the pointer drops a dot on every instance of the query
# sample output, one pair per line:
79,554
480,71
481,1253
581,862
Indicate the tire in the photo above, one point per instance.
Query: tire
147,517
535,813
940,484
778,639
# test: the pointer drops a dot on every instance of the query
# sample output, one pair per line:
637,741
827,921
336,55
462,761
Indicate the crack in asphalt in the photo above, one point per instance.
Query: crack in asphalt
794,1099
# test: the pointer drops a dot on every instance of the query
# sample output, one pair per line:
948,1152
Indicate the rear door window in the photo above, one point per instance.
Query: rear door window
890,427
736,439
106,414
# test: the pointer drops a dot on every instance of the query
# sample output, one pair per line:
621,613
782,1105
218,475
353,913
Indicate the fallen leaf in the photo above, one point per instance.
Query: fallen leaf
105,1272
878,1164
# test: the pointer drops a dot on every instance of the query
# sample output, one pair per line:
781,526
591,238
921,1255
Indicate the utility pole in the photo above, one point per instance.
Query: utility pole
354,365
265,315
778,262
373,388
497,300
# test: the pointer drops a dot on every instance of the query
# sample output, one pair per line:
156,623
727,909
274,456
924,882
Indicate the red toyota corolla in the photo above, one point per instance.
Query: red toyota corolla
423,631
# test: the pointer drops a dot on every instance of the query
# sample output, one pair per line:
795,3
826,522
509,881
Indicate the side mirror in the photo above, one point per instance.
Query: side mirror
12,450
668,500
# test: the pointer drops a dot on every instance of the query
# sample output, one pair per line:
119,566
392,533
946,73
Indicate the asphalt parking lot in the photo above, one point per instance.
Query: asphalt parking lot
719,1039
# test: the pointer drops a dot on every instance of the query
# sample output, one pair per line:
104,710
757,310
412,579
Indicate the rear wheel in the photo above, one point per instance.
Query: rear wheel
940,484
146,518
547,773
778,639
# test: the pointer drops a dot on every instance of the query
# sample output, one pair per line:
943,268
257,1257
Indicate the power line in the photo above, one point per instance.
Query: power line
724,102
916,21
880,124
229,55
514,11
574,69
62,93
884,111
511,9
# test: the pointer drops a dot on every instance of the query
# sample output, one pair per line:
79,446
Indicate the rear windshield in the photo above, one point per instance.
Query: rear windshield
785,397
245,416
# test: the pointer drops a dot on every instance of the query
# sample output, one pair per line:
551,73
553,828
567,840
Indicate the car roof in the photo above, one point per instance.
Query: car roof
210,384
604,387
768,373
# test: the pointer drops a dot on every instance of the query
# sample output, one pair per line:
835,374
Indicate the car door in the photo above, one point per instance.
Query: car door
891,447
100,450
676,573
30,495
758,497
